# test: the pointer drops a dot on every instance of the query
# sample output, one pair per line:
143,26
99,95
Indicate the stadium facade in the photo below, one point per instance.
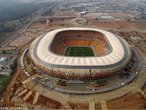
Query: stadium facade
111,53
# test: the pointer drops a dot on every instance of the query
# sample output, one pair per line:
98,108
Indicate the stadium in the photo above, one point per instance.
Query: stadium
80,54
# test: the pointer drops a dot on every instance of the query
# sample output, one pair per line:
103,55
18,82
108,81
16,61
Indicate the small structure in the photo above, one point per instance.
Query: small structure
136,38
7,62
105,18
83,12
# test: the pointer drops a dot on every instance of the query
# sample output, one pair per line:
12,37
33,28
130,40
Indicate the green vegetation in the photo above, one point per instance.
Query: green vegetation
61,82
8,51
2,34
3,82
4,28
79,51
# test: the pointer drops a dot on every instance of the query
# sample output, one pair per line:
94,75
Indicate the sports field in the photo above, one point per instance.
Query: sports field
79,51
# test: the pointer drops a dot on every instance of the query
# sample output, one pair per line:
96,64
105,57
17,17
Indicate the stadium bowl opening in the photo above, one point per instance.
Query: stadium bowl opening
80,43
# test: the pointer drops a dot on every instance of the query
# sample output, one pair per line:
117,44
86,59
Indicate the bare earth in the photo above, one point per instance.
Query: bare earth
127,97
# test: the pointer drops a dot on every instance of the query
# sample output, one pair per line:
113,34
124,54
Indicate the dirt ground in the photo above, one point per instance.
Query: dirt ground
118,25
94,15
129,101
143,34
122,28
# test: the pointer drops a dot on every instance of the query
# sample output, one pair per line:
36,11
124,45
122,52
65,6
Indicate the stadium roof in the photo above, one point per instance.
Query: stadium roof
40,50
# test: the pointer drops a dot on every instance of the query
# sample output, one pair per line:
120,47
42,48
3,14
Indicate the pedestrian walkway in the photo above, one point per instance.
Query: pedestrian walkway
92,105
22,92
104,105
35,100
27,96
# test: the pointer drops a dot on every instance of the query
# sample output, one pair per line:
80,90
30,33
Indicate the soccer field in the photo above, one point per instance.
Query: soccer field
79,51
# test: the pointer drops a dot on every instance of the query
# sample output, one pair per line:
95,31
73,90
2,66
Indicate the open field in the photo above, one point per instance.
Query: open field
118,25
128,101
93,15
79,51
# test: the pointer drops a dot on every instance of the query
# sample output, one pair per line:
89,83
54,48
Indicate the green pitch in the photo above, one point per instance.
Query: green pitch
79,51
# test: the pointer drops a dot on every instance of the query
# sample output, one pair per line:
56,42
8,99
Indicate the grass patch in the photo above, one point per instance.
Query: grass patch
79,51
3,82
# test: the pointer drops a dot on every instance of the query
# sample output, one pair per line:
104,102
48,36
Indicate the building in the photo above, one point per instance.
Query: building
7,61
111,53
105,18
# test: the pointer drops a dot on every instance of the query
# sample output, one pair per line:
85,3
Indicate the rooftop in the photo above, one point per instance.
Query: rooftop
41,53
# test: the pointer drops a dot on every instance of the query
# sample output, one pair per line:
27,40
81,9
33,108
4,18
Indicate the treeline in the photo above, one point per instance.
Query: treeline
12,11
48,12
4,28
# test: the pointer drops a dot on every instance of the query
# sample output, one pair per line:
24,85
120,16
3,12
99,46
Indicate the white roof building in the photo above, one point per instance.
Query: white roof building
119,56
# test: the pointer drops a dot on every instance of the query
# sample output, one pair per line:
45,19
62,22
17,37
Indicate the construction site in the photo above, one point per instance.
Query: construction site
23,91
